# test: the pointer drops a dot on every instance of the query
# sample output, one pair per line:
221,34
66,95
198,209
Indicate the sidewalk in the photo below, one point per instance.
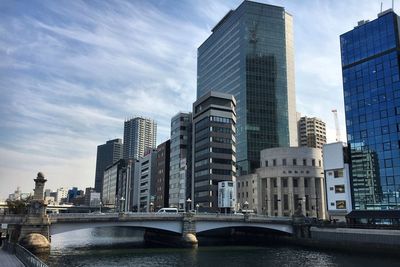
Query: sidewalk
9,260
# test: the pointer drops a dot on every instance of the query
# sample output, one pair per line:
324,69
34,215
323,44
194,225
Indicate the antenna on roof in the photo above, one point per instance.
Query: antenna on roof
381,7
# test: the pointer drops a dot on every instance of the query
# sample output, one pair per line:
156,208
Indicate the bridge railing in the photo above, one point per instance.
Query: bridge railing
114,215
27,258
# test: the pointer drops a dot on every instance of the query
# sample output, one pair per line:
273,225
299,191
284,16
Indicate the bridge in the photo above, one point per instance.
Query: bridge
34,229
186,226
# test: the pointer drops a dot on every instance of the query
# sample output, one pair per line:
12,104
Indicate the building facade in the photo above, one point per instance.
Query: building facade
109,195
312,132
289,179
146,180
371,85
337,180
107,154
179,170
214,147
250,55
162,175
139,135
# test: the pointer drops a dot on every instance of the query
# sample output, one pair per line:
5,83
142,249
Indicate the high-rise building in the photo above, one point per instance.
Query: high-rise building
250,55
312,132
162,175
179,170
214,147
139,135
371,85
107,154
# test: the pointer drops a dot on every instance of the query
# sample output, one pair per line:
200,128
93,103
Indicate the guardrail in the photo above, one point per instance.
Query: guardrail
24,255
27,258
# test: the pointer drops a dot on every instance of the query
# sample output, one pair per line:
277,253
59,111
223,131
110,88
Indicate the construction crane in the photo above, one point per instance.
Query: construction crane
334,111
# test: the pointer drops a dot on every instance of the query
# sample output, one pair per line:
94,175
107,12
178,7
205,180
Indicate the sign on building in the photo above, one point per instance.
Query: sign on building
226,194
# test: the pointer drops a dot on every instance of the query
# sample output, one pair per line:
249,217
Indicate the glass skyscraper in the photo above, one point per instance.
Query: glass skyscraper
250,55
371,84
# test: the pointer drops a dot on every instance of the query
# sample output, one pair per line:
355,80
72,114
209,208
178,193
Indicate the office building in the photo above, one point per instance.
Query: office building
179,171
109,196
311,132
214,147
250,55
337,179
107,154
162,175
146,181
371,85
139,135
92,198
290,179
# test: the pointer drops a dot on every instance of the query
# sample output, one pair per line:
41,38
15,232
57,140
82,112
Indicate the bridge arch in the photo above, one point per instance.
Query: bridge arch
203,226
167,226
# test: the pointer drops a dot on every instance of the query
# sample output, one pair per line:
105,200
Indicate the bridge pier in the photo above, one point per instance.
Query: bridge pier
189,238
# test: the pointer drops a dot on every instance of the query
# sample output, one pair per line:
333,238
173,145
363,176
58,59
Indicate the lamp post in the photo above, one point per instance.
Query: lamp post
100,205
151,206
121,208
197,208
188,201
246,205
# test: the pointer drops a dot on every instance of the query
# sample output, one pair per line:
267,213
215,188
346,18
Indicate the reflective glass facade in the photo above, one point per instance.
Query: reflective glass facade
371,84
250,55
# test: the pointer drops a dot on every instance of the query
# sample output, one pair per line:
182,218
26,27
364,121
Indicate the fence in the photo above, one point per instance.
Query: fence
24,255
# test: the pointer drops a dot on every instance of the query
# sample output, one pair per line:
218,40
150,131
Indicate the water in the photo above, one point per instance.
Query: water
125,247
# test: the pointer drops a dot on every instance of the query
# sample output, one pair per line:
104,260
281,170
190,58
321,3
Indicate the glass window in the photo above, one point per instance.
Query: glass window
294,162
339,188
341,204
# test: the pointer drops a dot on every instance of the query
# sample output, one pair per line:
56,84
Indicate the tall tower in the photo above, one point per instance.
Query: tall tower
250,55
371,85
107,154
139,135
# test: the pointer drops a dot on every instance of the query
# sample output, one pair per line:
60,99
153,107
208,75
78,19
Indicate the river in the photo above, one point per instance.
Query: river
119,246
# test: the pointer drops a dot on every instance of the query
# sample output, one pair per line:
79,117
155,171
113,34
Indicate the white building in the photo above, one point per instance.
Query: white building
337,177
226,195
62,194
139,135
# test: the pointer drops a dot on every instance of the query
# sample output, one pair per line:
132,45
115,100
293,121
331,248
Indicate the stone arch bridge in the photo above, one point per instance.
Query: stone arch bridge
182,227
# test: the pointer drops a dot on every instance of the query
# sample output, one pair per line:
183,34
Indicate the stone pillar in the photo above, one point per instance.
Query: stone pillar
313,196
302,195
269,196
189,238
279,193
291,195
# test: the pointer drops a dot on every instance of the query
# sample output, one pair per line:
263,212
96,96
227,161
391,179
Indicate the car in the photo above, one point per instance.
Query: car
168,210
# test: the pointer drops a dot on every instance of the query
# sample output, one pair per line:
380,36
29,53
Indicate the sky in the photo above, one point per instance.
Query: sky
71,72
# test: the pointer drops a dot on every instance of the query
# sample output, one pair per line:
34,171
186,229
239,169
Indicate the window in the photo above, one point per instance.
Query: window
247,183
341,204
285,202
274,162
305,182
339,188
319,163
274,182
247,194
266,163
284,162
285,182
331,188
313,162
294,162
338,173
295,183
304,162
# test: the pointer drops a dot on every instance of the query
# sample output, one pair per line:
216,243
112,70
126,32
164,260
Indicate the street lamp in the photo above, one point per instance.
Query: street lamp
197,208
151,206
188,201
122,199
246,205
100,206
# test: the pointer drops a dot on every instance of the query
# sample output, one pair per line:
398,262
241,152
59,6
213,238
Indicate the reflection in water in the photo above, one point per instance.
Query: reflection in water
125,247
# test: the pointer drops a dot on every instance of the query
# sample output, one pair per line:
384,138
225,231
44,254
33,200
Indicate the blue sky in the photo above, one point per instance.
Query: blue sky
72,71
